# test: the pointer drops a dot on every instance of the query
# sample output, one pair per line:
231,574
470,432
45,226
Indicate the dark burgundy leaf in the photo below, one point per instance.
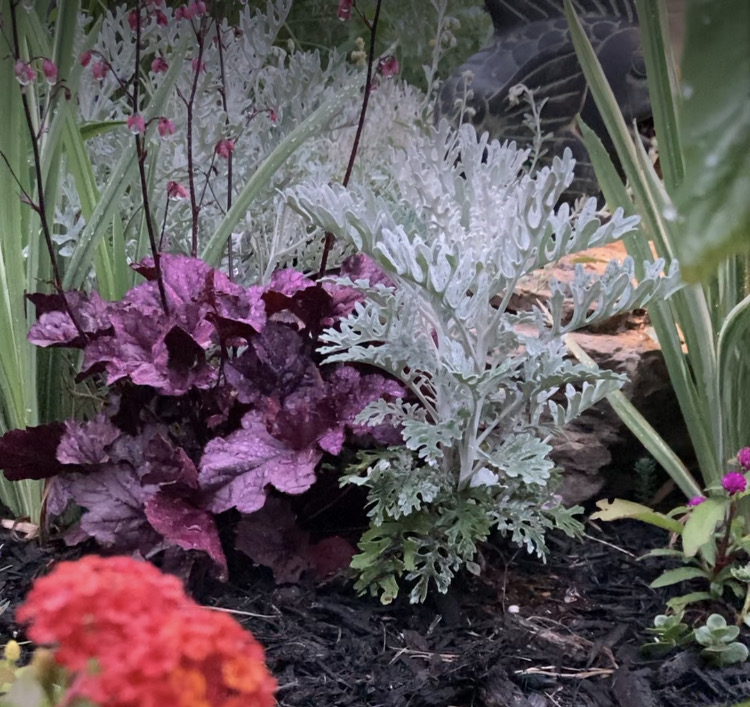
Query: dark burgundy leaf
86,443
170,467
353,391
235,471
114,500
289,282
306,415
31,453
362,267
355,267
186,526
330,556
54,327
272,538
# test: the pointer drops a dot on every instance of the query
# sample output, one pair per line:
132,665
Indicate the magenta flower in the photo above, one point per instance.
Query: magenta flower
161,19
224,148
133,19
175,191
136,124
159,65
100,69
165,127
696,501
50,71
86,58
24,73
734,482
388,66
743,457
345,10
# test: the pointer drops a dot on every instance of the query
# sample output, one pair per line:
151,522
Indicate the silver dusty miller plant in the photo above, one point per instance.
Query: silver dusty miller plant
457,229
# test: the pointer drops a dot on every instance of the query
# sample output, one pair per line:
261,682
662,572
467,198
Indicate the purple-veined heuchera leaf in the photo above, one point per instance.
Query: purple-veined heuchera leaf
235,471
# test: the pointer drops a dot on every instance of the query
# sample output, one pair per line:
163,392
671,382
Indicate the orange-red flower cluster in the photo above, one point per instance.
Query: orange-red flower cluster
133,638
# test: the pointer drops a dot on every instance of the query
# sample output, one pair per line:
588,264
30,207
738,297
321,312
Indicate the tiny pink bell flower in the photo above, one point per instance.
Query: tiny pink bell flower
50,71
25,73
100,69
175,191
136,124
388,66
165,127
159,65
345,10
224,148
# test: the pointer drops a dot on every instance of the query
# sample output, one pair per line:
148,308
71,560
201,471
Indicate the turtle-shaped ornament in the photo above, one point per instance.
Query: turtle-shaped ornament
532,46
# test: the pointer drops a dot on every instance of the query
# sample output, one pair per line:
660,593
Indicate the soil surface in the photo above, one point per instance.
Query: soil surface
523,634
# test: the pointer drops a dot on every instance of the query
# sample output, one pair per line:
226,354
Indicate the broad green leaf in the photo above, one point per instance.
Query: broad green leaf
619,509
701,524
661,552
680,574
678,604
662,88
99,127
713,203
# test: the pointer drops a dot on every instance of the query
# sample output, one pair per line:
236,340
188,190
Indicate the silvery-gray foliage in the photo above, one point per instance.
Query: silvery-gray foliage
460,226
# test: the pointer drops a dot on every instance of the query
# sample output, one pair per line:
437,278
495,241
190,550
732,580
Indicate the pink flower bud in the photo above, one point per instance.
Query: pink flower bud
272,115
175,191
165,127
25,74
159,65
161,19
198,7
179,13
734,482
388,66
100,69
50,71
136,124
743,457
345,10
696,501
133,19
224,148
85,58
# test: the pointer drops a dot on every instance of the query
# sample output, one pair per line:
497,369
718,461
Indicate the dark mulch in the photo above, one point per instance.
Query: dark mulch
524,634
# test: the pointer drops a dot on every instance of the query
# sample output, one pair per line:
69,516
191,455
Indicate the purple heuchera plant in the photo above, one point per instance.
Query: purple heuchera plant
211,403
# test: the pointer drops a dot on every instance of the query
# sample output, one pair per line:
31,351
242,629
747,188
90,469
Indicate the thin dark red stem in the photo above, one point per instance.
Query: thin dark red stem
329,238
140,146
223,93
189,105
